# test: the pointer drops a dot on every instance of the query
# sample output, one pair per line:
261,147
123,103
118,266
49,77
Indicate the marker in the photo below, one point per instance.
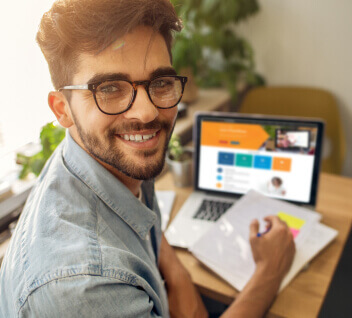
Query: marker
261,234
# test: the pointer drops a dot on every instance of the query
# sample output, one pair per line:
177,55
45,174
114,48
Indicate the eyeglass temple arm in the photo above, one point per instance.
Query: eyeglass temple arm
84,86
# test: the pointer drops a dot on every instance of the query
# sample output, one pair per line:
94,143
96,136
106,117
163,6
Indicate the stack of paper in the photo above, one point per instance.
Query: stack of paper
226,250
165,201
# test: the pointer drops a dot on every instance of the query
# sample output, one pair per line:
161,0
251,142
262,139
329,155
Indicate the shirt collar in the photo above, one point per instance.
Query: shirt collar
109,189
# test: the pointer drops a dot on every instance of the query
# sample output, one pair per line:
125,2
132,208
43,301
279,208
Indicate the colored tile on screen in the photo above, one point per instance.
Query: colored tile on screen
226,158
262,162
245,161
282,164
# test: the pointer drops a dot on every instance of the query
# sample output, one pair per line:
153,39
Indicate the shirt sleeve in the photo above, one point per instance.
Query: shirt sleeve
88,296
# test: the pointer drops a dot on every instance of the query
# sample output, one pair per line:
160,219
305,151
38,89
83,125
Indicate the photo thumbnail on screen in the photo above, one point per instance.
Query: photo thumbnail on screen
292,139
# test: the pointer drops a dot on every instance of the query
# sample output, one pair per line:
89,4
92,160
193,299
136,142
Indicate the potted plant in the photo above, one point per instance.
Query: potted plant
50,137
180,162
210,47
186,55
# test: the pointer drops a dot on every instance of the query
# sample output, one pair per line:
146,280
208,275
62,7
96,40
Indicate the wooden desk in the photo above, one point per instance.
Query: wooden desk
304,296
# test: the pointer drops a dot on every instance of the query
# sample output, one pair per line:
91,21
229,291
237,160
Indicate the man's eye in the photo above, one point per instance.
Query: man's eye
111,88
162,83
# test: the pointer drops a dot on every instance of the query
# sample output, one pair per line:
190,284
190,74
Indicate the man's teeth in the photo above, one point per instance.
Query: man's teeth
138,138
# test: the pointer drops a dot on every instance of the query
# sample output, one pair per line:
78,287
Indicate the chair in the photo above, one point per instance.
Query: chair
303,102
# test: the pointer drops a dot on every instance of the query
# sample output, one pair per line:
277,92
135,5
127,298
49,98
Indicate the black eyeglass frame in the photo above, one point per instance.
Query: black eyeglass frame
93,88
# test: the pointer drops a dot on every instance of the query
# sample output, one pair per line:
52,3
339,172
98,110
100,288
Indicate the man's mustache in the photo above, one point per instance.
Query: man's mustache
138,126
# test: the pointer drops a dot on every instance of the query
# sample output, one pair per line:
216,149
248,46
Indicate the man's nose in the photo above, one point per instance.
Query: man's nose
142,108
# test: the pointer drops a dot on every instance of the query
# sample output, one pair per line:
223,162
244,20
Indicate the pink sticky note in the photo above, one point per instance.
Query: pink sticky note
294,232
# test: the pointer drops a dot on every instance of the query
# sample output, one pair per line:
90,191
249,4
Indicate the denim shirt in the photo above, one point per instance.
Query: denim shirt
84,246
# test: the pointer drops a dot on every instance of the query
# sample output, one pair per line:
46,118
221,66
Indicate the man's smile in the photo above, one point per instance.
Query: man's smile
141,139
138,138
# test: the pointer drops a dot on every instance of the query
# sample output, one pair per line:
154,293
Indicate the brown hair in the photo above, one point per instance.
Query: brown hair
279,181
72,27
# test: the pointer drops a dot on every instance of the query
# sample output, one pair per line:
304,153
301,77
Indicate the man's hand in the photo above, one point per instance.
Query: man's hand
184,299
273,252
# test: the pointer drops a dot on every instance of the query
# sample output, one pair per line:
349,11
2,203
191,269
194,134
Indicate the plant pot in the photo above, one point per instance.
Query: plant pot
182,171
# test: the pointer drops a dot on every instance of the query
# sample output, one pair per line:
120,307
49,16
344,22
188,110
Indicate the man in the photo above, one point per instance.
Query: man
88,243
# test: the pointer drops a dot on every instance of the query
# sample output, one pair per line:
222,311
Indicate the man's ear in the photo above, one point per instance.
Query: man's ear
60,107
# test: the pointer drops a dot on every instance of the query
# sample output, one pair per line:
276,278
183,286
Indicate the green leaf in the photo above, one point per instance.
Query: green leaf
208,6
50,137
210,32
175,148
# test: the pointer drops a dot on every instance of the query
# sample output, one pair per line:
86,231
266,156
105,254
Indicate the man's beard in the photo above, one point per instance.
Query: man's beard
115,157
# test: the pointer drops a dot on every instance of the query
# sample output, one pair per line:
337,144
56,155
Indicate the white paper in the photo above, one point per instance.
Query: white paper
165,201
226,250
320,236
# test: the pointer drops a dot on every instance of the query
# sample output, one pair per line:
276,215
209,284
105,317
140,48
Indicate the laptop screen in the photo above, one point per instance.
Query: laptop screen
276,157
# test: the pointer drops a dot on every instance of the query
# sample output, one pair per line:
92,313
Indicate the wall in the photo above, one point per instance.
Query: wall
300,42
25,80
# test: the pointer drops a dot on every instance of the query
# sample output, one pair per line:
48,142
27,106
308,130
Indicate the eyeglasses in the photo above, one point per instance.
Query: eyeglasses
114,97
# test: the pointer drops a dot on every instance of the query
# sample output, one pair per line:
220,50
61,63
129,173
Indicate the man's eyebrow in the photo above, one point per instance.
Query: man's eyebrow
163,71
102,77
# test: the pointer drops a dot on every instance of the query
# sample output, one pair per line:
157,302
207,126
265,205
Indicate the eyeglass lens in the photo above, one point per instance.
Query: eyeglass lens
116,96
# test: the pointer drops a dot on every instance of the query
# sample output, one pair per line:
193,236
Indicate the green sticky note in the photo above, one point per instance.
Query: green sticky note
291,221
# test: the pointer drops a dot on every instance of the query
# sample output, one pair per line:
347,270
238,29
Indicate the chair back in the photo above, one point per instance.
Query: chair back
303,102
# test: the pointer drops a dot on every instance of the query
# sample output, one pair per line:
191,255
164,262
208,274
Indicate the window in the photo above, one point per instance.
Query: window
25,80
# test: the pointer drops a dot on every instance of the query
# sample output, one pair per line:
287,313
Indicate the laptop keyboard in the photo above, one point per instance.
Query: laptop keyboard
212,210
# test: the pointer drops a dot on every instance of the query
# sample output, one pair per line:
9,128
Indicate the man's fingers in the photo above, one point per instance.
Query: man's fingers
254,228
274,220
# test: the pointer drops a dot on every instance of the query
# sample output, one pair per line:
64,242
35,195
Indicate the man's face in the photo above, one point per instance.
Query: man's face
104,136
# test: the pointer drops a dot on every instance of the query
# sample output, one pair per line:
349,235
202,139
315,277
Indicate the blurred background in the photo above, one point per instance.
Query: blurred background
238,44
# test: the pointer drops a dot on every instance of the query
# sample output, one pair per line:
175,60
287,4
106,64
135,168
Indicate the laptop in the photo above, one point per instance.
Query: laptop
234,153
